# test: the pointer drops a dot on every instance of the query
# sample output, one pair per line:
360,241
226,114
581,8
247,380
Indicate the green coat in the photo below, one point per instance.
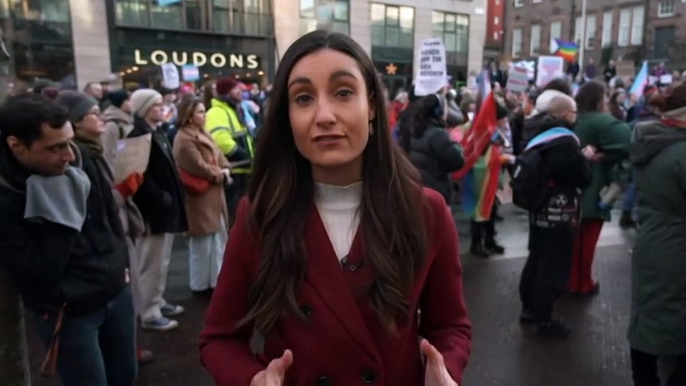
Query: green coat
658,271
611,137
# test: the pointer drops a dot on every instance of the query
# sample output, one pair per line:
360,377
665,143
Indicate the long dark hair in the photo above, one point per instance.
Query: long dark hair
426,114
281,192
187,108
590,96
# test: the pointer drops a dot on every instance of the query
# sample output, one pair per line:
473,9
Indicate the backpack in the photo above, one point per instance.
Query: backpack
529,181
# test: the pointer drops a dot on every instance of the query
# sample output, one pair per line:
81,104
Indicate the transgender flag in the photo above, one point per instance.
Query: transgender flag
640,81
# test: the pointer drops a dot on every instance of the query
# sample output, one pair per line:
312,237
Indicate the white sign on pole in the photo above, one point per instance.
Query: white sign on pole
518,79
549,68
170,75
432,74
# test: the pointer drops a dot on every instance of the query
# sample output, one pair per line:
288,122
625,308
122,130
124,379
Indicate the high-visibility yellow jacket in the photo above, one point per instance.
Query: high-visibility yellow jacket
231,136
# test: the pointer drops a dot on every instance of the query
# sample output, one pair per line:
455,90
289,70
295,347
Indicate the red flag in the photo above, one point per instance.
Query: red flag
477,138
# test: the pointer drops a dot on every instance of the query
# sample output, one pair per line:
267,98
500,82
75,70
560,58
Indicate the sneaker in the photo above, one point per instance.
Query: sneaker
527,317
161,324
553,329
144,357
172,310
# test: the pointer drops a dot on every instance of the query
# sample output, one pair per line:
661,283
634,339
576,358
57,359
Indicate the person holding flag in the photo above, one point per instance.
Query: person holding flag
481,174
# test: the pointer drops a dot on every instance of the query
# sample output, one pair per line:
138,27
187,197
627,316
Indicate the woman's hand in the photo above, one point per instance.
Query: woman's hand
275,373
436,374
227,176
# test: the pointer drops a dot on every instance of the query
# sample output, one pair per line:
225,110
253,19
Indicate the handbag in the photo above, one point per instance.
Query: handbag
193,184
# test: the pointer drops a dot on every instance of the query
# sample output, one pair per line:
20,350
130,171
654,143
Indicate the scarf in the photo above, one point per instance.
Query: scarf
235,106
94,145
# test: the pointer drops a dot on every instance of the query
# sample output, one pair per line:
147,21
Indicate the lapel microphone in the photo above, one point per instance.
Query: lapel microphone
347,266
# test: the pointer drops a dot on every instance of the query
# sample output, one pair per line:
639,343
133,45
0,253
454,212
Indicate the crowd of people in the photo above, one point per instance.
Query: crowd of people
307,222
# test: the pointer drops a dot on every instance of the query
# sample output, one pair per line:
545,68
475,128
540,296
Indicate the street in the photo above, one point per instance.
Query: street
504,353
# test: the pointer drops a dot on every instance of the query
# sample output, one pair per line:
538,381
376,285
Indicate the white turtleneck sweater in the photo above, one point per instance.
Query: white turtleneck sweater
338,208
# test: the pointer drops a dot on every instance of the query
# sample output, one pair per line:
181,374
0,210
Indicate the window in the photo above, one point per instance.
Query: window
332,15
637,26
516,42
624,27
518,3
665,8
453,29
590,31
606,39
243,17
535,42
537,1
555,33
392,26
577,31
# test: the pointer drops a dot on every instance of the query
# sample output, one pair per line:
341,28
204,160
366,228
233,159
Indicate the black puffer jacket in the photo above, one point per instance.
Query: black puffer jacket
160,199
436,155
51,264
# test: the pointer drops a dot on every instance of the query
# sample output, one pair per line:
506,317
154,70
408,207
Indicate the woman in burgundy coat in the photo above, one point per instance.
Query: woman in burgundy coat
338,257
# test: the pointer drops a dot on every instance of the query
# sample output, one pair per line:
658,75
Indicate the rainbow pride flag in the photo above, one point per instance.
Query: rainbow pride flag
566,50
479,185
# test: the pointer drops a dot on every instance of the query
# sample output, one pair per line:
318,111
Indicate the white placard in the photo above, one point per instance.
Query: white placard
170,75
518,79
432,74
549,68
666,79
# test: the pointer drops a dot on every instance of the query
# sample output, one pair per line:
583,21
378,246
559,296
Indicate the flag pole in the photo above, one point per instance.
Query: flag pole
582,43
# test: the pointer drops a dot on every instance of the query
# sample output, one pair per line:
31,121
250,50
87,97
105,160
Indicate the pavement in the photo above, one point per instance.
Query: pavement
504,353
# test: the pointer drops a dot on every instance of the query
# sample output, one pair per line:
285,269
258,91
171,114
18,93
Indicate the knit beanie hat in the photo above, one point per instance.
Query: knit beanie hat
117,97
143,99
225,85
77,103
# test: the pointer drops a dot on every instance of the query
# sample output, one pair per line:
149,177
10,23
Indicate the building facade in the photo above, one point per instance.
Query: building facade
666,33
614,29
495,32
79,41
391,31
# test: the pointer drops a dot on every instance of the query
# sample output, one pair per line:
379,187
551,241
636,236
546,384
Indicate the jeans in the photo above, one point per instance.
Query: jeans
630,197
97,349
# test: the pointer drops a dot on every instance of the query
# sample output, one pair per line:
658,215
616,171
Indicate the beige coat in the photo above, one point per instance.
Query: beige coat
118,125
196,153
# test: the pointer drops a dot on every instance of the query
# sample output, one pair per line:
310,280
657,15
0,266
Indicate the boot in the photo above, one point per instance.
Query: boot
491,245
477,248
626,221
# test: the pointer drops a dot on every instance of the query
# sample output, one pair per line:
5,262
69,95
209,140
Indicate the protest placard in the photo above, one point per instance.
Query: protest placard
432,74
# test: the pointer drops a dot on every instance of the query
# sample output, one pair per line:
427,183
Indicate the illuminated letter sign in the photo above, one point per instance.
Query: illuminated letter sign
198,59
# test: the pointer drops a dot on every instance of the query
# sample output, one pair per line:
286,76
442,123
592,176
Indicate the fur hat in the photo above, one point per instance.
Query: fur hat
143,99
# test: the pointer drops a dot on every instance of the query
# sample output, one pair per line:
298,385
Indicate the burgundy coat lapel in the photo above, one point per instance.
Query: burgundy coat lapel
325,274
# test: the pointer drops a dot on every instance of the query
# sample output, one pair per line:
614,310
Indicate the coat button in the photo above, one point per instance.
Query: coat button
306,309
368,376
324,381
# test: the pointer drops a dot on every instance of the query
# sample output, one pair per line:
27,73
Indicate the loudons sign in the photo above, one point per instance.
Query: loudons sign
199,59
